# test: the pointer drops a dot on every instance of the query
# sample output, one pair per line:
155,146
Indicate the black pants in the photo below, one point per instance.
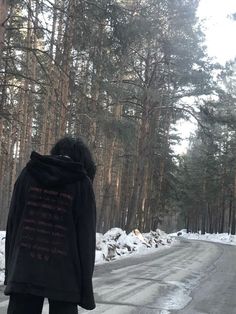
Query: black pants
30,304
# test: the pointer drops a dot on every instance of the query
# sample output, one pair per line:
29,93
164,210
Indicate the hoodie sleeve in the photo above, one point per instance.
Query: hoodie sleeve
17,203
86,241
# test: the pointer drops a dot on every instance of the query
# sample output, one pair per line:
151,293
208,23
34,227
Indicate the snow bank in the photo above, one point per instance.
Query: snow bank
2,257
215,237
114,244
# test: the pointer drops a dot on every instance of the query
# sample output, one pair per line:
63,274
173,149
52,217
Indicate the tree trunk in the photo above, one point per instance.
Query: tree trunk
3,20
103,221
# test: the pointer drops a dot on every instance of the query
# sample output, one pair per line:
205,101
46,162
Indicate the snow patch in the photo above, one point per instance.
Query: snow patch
116,243
224,238
2,255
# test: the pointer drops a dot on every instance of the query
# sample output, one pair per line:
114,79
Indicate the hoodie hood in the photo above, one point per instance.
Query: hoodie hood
55,170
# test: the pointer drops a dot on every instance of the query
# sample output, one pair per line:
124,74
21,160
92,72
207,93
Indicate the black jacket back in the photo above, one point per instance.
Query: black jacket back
50,239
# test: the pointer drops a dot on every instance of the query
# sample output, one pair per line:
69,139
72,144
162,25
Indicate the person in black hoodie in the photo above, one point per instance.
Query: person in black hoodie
51,232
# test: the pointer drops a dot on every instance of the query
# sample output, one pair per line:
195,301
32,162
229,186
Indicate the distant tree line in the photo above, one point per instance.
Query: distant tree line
207,173
120,74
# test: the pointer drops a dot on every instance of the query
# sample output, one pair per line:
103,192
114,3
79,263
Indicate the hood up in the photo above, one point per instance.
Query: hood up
55,170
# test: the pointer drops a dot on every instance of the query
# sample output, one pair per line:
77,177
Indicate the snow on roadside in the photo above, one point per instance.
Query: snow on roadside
2,256
224,238
114,244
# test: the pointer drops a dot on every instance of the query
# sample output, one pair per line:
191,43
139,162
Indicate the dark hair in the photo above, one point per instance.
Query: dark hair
78,151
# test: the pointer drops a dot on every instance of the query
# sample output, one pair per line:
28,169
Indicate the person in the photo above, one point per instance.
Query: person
51,232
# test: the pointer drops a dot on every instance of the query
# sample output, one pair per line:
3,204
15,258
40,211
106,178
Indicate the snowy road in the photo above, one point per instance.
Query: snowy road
192,277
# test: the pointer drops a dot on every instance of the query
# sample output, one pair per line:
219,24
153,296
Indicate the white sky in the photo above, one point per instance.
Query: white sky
220,33
220,30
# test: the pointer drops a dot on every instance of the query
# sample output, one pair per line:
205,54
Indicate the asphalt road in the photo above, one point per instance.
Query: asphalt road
192,277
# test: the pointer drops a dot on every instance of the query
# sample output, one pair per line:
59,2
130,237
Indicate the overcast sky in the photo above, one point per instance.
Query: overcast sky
220,30
220,33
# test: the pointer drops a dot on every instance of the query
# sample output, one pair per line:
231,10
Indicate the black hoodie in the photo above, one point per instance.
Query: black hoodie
50,239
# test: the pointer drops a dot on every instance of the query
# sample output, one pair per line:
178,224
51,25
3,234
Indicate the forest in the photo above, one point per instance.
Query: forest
122,74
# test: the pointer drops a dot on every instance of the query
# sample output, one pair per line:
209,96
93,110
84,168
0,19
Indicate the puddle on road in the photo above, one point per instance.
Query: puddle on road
177,296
